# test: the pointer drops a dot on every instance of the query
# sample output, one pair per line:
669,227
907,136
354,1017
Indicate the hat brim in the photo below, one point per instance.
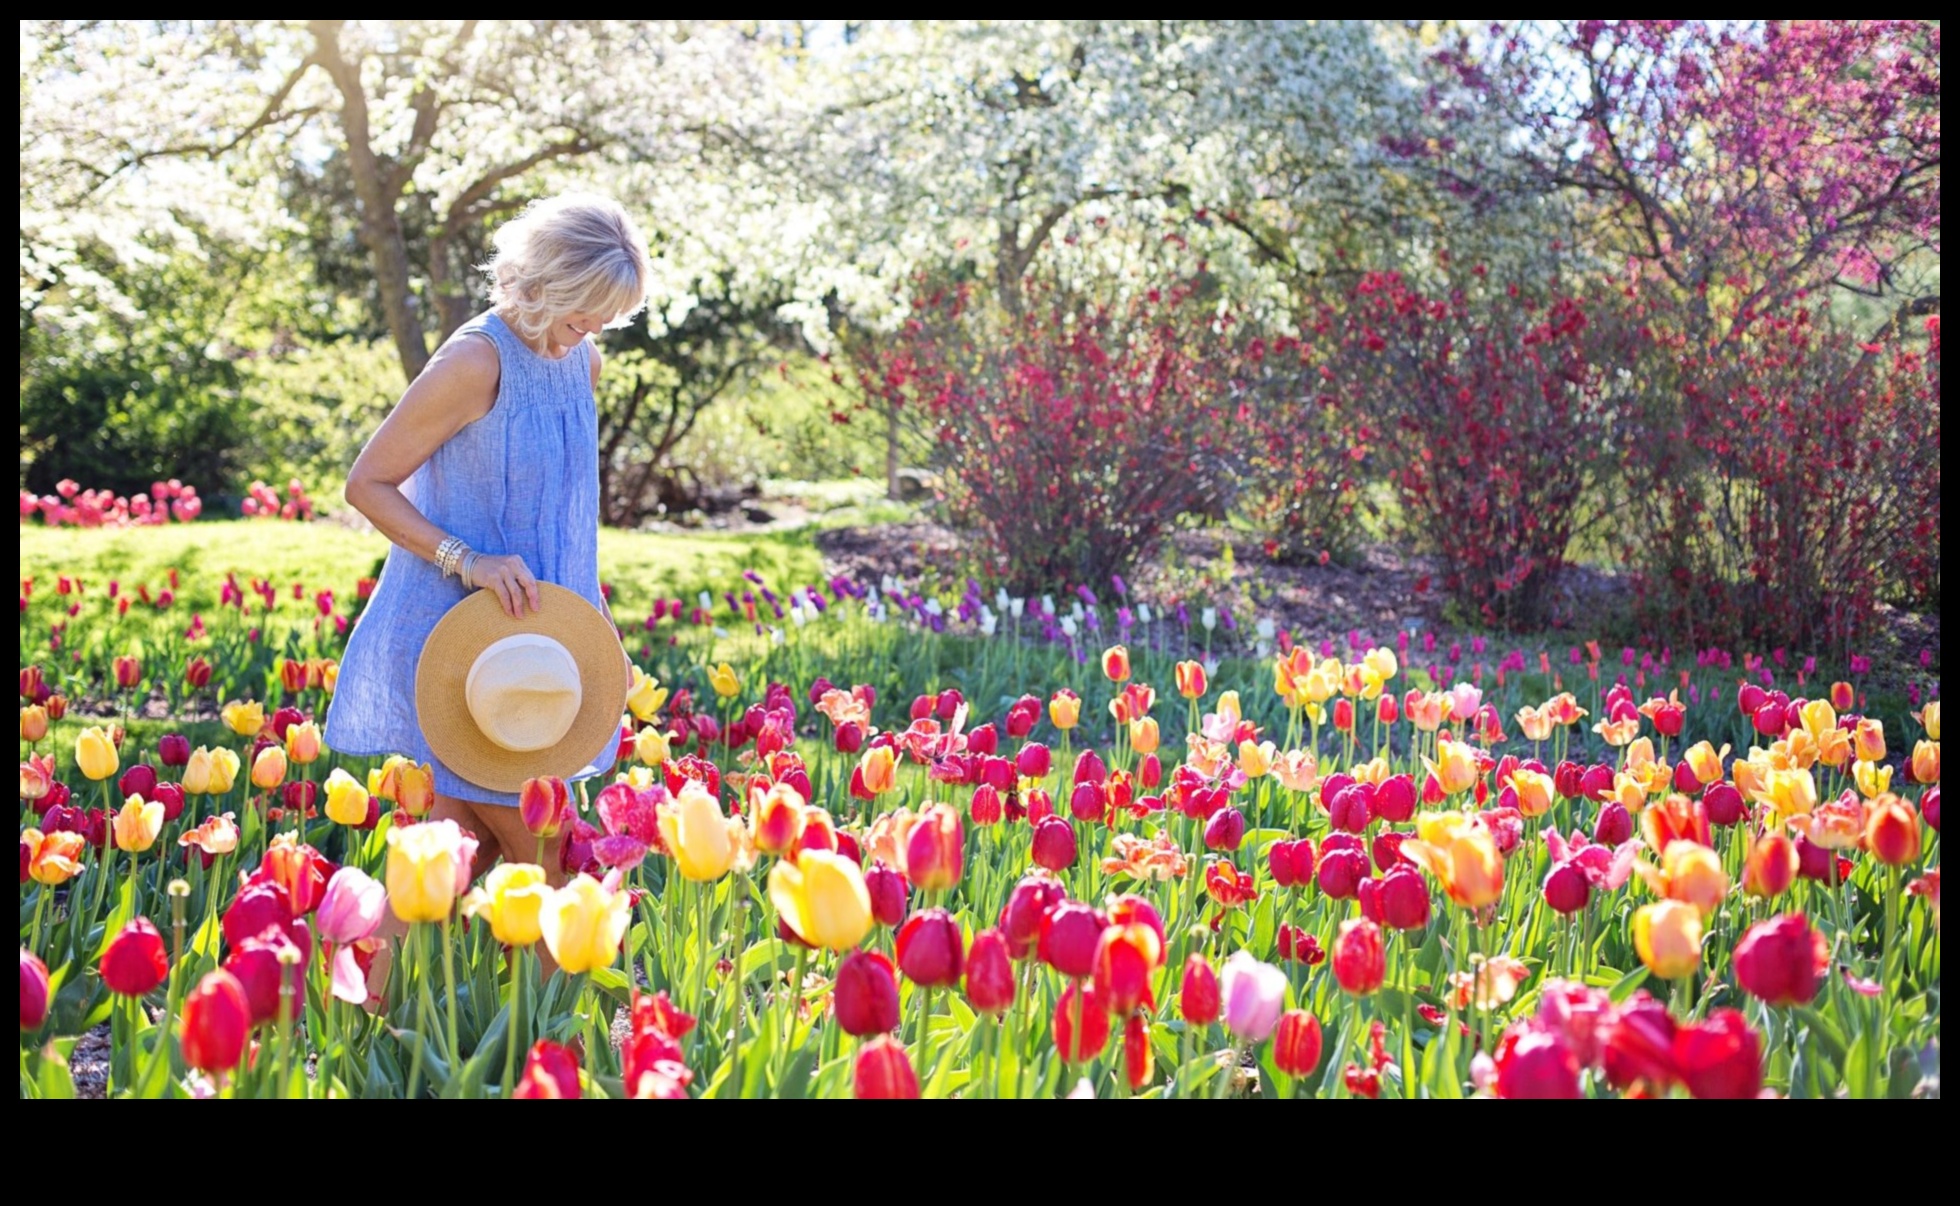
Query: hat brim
442,708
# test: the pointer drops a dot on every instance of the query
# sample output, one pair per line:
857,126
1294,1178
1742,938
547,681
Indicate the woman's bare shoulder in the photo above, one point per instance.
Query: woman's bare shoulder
462,376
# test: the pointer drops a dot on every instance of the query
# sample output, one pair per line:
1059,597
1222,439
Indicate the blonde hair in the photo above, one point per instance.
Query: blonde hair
572,253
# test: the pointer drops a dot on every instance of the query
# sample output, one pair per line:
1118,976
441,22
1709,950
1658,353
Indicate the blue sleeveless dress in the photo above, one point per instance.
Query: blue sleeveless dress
524,480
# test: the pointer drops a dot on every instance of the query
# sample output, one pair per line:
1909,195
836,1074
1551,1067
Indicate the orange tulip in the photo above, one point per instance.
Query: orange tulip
1892,832
1455,766
1667,937
1458,850
1868,740
303,743
1689,872
776,818
1926,762
1065,708
1116,664
878,769
1837,824
52,858
415,788
1143,735
934,849
1705,761
1771,867
1191,679
1536,792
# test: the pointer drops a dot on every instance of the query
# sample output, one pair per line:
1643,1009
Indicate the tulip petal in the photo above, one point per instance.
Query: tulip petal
349,984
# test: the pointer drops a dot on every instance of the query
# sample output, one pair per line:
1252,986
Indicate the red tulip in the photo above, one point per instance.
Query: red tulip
929,949
888,893
1198,999
1296,1043
259,964
33,991
1342,868
849,738
171,796
1225,830
1069,935
128,671
1034,761
1782,960
1087,802
1349,810
1022,715
217,1019
1054,844
1638,1045
1724,804
298,868
1395,799
934,853
550,1074
542,805
134,962
989,974
1027,906
1360,962
1291,863
1404,897
197,674
139,780
1081,998
1535,1064
1720,1059
865,996
983,740
173,749
1139,1062
1125,956
1567,889
1929,807
883,1072
985,807
257,906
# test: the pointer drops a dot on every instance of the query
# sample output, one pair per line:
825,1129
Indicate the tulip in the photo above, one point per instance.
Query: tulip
428,868
697,835
652,747
1929,807
52,858
1720,1059
351,908
1783,960
1403,899
1926,762
1296,1043
934,860
1028,904
303,743
217,1021
210,772
244,719
197,674
550,1074
1192,682
1691,873
1253,994
347,800
214,835
1667,936
1613,826
645,697
1054,844
1771,867
1116,664
865,996
1124,958
1064,709
722,678
269,768
1198,999
1139,1061
542,804
888,892
1070,934
33,991
1341,869
1291,863
1360,962
137,824
1535,791
1567,888
1144,736
1256,758
1892,832
989,975
822,898
95,754
1534,1064
1225,830
258,906
1458,850
1033,761
33,724
581,923
876,774
1081,1025
1455,767
512,899
134,963
883,1072
929,949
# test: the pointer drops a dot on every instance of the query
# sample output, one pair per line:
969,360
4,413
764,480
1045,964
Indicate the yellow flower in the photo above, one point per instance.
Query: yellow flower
696,834
1255,758
822,897
1926,762
1818,718
1065,708
33,724
512,898
1455,766
647,695
1534,723
878,769
1536,791
1668,937
1375,770
52,858
303,743
1689,872
1706,763
347,800
384,781
1457,849
329,676
1868,740
1324,681
722,679
244,719
269,768
428,867
1791,793
95,754
1872,779
1377,667
582,925
1144,736
1929,719
650,746
415,788
137,824
210,772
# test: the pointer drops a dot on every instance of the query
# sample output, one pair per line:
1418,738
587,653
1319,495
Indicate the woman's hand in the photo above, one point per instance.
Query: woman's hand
508,578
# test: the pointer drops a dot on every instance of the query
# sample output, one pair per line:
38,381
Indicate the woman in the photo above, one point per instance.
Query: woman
486,477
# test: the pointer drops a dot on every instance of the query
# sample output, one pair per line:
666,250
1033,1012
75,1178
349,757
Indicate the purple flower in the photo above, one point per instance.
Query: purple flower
752,576
1183,616
1087,596
1116,580
1225,618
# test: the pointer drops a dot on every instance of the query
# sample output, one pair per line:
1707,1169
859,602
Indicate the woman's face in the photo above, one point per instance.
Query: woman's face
574,327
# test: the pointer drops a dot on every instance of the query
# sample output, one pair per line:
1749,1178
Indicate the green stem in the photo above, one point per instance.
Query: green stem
414,945
449,995
516,1031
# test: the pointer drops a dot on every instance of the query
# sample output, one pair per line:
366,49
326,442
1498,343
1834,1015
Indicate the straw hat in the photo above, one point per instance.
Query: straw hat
502,700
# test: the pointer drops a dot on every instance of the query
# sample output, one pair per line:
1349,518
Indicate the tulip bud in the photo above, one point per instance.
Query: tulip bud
1341,870
134,962
1892,832
1535,1064
1404,899
1080,1003
269,768
1064,709
1253,994
1198,996
1667,936
1613,826
1296,1043
1033,762
1054,844
1783,960
1027,906
1724,805
989,974
929,949
865,996
1567,890
1125,957
1929,807
1770,868
985,807
888,893
1360,961
217,1020
1291,863
1150,772
883,1072
1116,664
33,991
1225,830
1087,803
542,804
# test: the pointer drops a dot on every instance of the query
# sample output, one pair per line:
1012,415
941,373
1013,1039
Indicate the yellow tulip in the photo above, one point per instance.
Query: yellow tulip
512,899
33,724
1536,791
1144,736
303,743
1065,708
722,679
1818,717
1255,758
1458,850
1668,937
95,754
210,772
244,719
53,858
329,676
415,788
695,832
1705,761
1792,793
1690,873
384,781
1872,779
878,769
1375,770
1929,719
582,925
647,696
428,867
1378,665
821,896
651,747
1535,723
137,824
1868,740
1926,762
269,768
1455,766
347,800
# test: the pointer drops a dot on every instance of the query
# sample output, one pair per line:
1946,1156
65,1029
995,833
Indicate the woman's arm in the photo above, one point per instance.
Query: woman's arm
458,387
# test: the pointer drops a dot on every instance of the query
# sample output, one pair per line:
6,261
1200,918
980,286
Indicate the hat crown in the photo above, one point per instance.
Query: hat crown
523,692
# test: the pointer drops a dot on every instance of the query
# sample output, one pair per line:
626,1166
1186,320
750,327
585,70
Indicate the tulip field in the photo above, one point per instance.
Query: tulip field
871,840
